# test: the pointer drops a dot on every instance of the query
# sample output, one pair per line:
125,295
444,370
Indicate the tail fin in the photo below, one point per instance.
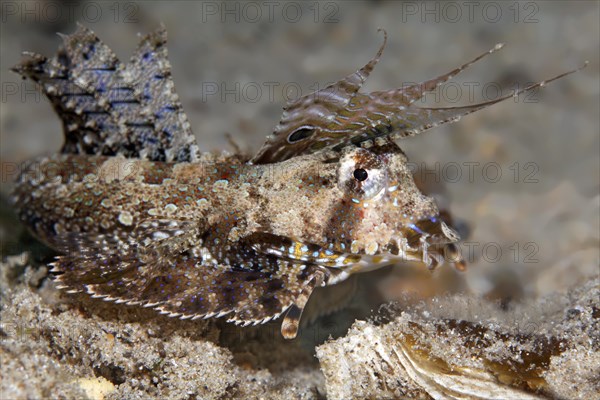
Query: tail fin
110,108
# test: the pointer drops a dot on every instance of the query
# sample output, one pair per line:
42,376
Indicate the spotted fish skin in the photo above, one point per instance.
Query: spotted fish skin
142,217
289,221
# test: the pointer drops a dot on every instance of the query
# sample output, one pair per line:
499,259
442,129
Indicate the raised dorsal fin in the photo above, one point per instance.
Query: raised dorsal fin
111,108
327,119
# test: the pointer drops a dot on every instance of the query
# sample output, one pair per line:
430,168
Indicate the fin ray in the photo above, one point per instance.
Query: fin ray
424,118
110,108
170,277
318,122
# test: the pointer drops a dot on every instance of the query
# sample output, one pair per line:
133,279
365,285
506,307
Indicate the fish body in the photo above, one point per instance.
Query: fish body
142,217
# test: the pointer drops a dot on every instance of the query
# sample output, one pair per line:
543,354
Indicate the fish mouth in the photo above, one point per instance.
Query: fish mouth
430,241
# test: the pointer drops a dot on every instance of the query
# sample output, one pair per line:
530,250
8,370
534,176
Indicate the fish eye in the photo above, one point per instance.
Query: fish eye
360,174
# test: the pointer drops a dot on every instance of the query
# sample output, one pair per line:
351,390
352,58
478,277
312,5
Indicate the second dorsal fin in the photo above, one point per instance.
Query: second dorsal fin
110,108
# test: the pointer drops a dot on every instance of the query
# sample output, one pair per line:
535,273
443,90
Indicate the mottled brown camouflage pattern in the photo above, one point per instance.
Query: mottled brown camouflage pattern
142,217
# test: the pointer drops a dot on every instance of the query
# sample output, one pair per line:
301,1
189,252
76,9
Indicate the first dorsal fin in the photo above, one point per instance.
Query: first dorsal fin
110,108
332,119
